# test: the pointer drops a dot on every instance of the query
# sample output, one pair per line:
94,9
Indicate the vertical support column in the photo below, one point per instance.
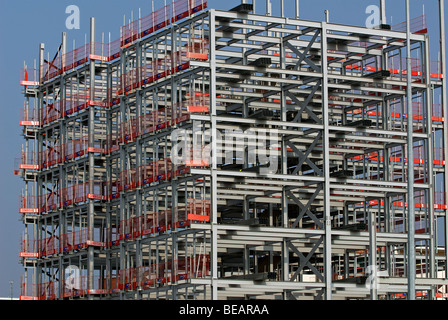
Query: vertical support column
284,171
430,155
410,162
62,169
372,255
297,10
326,159
268,8
38,183
383,12
91,209
138,160
109,221
445,112
285,263
284,146
213,167
174,269
122,150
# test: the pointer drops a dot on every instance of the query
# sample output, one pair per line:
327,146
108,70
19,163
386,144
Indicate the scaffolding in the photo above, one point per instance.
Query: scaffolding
211,154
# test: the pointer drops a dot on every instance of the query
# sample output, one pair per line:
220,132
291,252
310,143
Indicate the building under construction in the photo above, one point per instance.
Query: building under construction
211,154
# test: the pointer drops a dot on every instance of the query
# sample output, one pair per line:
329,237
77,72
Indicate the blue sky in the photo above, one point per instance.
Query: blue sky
24,24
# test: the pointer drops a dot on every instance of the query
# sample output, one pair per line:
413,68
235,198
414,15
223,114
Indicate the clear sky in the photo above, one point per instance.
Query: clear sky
24,24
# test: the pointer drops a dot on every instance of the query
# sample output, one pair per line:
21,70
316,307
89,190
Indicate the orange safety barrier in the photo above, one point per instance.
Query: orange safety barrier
68,288
197,48
30,117
28,248
147,173
197,266
159,19
398,66
75,101
29,77
158,69
196,210
73,194
30,161
147,123
60,153
439,202
56,244
417,25
29,204
198,102
199,156
397,157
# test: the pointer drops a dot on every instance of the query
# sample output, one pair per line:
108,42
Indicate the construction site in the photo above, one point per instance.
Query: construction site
215,155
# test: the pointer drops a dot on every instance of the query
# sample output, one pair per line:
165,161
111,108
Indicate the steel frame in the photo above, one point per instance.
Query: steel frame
332,215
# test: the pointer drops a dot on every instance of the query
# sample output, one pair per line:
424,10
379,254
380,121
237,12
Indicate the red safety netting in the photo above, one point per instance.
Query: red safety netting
184,8
437,113
417,25
398,157
159,19
70,195
148,173
196,210
29,77
436,69
420,201
398,67
30,161
60,153
29,204
440,200
198,102
51,111
76,286
148,73
30,116
158,119
439,156
74,240
56,244
197,266
48,290
112,236
198,156
76,57
419,113
75,101
28,248
73,59
28,290
52,156
197,49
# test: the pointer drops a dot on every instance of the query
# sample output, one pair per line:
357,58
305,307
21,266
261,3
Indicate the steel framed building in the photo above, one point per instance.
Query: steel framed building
214,154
